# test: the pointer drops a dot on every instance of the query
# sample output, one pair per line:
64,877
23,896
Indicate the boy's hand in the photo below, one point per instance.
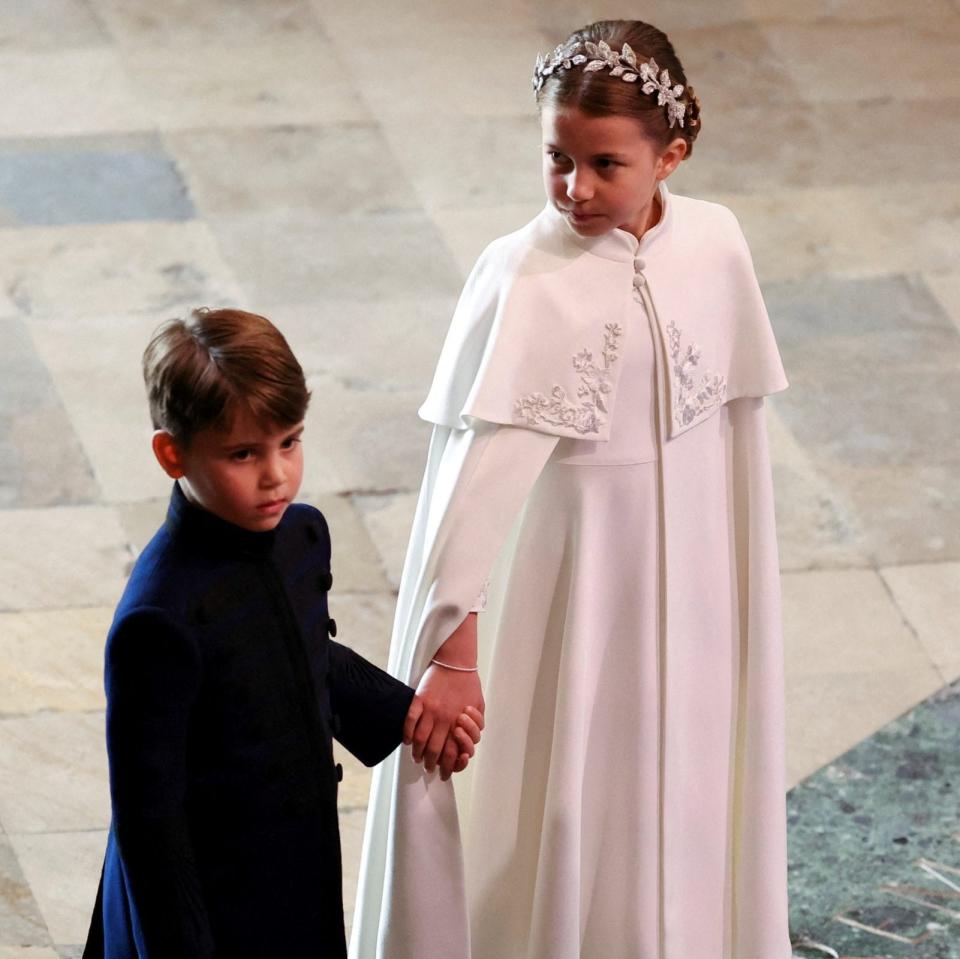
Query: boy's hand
461,744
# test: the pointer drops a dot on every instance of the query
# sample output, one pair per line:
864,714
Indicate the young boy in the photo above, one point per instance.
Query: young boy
223,684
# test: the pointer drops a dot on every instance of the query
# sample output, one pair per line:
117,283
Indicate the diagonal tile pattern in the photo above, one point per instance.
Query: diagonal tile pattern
339,170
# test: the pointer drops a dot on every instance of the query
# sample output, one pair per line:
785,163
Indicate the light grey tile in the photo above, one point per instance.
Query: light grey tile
41,460
468,231
54,774
140,23
63,870
817,525
729,63
856,63
50,24
824,13
362,440
929,597
354,561
21,924
294,79
298,257
329,169
28,952
103,179
53,659
141,519
799,146
364,623
68,92
388,519
61,557
469,162
850,231
103,269
386,345
109,413
873,366
439,63
945,286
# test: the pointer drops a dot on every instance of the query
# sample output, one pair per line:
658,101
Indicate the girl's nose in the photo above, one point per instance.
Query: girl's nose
579,186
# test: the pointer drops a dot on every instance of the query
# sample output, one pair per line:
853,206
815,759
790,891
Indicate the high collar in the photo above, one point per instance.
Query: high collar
618,244
209,532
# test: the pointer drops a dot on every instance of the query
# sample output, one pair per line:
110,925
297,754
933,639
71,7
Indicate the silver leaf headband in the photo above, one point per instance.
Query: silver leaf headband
600,56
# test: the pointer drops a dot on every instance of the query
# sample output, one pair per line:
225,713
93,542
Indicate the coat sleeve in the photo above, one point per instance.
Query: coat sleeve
368,704
153,674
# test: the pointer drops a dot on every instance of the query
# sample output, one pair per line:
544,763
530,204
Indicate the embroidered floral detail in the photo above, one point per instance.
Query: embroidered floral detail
480,603
691,400
557,410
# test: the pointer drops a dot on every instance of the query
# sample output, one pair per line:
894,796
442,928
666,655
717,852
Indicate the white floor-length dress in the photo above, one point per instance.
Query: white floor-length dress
627,800
563,841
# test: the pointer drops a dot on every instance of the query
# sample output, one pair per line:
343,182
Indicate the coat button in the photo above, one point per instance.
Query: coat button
335,724
332,626
313,533
339,771
326,580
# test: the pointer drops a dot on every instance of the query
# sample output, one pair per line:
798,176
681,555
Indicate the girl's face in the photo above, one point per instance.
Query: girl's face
602,173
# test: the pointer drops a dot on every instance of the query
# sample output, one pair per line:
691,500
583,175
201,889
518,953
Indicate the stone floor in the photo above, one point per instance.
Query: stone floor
339,168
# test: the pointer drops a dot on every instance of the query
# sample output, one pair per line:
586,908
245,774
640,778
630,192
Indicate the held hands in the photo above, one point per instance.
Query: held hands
446,718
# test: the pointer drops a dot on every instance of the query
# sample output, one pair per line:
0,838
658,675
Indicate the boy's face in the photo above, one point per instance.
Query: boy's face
247,475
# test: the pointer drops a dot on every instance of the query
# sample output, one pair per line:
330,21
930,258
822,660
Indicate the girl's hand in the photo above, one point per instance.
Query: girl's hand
444,694
461,744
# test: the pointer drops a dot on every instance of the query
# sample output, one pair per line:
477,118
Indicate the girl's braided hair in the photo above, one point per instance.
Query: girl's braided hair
599,93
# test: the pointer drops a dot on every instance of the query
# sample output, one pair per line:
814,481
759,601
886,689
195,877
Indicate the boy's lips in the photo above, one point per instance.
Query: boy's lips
271,506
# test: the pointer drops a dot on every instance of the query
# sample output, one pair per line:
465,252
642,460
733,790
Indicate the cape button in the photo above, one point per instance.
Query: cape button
639,263
639,280
332,626
339,771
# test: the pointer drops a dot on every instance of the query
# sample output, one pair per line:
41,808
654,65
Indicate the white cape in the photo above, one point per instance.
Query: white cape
532,359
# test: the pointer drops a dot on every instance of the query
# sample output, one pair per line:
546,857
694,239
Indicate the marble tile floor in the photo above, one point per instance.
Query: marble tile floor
339,171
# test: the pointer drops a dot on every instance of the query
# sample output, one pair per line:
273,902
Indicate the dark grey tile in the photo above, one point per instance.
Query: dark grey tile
873,400
863,828
49,24
20,921
104,179
331,169
41,460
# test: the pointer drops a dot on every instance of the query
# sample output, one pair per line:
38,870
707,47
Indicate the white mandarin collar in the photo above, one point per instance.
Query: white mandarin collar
618,244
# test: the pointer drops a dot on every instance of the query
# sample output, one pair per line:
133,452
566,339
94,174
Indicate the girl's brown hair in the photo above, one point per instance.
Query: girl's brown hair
200,370
598,93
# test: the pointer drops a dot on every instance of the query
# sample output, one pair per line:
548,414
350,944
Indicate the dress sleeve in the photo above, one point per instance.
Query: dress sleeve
477,481
153,674
369,704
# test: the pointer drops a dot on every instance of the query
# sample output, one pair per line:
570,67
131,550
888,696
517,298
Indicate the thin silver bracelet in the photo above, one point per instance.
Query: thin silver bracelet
459,669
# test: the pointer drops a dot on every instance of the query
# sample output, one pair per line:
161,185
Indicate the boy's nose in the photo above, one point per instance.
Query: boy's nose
273,473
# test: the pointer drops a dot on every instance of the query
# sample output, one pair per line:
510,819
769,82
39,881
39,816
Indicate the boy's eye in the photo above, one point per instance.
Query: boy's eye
290,442
240,455
555,156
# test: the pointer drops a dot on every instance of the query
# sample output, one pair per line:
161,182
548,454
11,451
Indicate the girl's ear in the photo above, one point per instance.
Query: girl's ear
168,453
670,158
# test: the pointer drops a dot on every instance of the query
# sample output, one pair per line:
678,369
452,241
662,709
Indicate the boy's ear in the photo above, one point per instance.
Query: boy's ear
168,454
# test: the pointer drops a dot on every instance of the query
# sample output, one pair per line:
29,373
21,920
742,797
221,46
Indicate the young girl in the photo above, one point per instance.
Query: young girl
600,394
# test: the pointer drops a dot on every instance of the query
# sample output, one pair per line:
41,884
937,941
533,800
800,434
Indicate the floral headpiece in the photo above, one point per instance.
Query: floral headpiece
599,56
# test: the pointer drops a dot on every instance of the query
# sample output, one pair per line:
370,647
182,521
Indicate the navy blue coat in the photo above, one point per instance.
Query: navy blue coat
223,691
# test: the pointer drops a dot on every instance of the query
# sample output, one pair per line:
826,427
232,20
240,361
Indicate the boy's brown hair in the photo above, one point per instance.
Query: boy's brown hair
198,371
